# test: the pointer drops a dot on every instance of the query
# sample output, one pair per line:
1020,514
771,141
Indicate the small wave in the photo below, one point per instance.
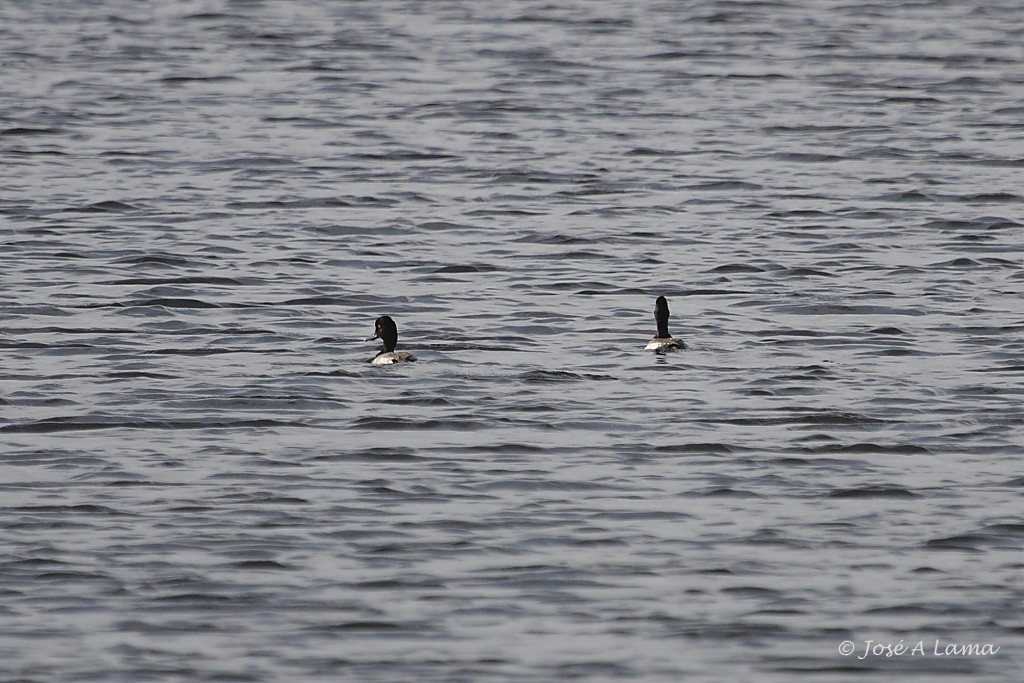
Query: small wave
196,280
73,424
179,80
1005,529
314,301
315,203
405,155
800,213
446,226
845,309
23,131
404,423
867,447
911,99
985,223
133,374
808,157
909,609
807,374
670,55
884,152
896,353
69,510
589,190
806,272
710,448
729,492
527,176
260,565
1002,535
1012,367
805,128
301,121
737,268
962,262
826,418
541,484
109,206
363,626
609,289
331,373
256,161
963,542
977,198
158,259
907,196
396,454
206,351
651,152
874,491
169,302
428,400
502,212
548,376
753,591
992,198
547,238
792,462
507,449
38,345
725,185
467,268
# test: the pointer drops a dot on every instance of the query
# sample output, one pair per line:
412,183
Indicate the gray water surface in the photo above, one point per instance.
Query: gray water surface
205,205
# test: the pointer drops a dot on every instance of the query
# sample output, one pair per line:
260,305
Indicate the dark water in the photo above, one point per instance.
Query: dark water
204,206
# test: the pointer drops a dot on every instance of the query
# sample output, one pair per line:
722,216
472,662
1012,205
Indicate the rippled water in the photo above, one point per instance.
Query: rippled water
205,205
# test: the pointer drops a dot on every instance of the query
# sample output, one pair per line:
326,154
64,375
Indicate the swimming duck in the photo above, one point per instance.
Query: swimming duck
386,330
663,341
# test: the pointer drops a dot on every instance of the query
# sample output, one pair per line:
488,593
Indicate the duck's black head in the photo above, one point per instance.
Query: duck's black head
387,331
661,316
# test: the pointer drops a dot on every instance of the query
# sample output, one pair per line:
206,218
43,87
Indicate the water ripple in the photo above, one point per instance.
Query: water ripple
206,206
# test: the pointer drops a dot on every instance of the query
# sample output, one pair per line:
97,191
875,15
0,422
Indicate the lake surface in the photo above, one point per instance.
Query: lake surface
205,205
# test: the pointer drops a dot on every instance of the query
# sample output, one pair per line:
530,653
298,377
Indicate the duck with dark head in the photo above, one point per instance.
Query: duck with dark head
386,330
663,341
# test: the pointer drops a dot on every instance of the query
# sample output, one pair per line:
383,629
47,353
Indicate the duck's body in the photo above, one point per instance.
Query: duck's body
389,357
663,342
386,330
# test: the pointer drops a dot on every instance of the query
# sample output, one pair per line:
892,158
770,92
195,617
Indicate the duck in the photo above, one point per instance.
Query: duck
663,342
386,330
